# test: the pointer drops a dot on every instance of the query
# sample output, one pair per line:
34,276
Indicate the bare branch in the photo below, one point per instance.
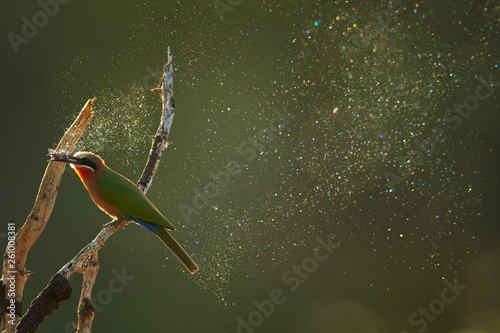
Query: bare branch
160,140
39,216
85,308
57,290
159,144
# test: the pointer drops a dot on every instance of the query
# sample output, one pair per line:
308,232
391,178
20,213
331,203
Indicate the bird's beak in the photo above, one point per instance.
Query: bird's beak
62,157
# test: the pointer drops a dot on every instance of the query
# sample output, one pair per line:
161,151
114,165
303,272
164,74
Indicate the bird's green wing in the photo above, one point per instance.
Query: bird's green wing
124,195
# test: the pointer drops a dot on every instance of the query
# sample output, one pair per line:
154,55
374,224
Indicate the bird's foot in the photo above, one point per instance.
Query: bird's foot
116,223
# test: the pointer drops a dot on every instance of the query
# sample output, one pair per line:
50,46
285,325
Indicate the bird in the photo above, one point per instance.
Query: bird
121,199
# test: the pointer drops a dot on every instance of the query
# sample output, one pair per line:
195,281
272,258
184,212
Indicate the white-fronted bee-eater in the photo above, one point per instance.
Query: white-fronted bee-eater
122,200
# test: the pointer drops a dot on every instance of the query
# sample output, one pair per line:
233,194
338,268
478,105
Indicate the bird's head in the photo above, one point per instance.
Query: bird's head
85,164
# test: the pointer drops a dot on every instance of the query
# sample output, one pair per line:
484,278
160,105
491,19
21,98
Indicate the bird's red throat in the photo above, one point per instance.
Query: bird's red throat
83,172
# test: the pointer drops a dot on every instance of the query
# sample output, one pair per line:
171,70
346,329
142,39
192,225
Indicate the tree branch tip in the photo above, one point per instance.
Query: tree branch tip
156,91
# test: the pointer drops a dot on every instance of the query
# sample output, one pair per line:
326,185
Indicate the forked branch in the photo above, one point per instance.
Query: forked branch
14,270
86,259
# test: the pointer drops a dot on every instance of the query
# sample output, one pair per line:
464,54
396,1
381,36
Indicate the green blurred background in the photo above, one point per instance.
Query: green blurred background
365,81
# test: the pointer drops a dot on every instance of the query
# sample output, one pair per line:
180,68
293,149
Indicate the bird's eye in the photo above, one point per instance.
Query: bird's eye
89,163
